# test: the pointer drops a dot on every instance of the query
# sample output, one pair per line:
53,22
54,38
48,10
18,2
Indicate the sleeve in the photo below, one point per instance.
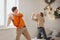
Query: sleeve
20,14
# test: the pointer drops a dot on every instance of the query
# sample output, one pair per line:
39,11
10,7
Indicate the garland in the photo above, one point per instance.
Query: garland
51,1
58,8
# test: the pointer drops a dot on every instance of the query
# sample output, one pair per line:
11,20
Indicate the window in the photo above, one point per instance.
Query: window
9,5
1,12
5,9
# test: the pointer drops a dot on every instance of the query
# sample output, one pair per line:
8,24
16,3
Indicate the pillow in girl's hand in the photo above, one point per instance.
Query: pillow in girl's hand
34,16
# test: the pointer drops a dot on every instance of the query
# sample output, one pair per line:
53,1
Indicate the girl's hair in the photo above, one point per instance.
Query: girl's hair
42,14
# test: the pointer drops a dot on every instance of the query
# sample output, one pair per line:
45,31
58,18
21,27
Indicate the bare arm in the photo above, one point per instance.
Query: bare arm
33,17
43,19
9,20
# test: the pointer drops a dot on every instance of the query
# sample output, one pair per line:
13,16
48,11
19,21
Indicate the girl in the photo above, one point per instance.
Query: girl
39,18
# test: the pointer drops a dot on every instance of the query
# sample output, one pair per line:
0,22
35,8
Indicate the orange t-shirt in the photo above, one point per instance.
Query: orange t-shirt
18,21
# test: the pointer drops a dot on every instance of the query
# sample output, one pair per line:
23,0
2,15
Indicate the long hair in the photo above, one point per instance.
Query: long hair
42,14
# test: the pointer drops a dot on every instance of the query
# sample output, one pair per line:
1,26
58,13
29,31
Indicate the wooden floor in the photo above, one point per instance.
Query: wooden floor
57,38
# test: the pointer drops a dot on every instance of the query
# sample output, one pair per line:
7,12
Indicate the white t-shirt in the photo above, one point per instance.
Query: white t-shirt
40,22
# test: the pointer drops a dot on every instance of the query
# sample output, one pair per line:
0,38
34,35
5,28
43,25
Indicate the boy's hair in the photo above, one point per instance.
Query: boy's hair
14,8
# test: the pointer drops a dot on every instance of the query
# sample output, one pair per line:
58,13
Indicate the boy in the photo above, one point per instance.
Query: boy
17,19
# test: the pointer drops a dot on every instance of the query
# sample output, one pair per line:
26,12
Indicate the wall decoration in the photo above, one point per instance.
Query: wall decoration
48,9
48,12
49,1
57,13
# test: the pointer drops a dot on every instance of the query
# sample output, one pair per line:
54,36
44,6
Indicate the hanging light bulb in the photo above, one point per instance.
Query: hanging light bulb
49,0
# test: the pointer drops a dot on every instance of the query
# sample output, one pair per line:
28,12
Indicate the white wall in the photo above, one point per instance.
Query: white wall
54,24
27,7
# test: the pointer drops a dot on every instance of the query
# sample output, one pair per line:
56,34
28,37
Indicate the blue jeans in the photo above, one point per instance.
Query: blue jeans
41,31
